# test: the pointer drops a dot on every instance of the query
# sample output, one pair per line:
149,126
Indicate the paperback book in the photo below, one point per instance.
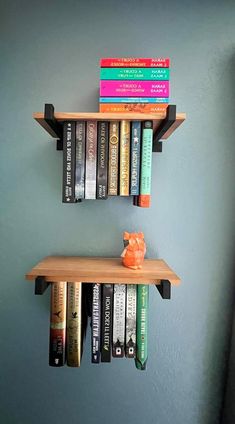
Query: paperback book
102,160
107,322
80,160
96,323
69,162
91,159
74,323
131,299
57,346
113,158
119,307
142,326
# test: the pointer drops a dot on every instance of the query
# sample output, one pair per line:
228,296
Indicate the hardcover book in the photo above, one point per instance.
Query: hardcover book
146,164
135,74
135,157
135,62
129,88
106,323
74,323
133,107
119,307
80,160
124,178
96,323
91,158
142,326
113,158
69,162
131,300
102,160
57,349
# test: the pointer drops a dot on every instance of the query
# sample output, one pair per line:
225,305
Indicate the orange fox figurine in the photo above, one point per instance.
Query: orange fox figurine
135,249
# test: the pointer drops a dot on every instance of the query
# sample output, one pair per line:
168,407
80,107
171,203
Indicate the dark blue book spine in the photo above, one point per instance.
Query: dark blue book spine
135,157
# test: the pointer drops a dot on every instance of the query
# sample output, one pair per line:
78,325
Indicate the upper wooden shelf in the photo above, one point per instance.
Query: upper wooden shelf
157,119
101,270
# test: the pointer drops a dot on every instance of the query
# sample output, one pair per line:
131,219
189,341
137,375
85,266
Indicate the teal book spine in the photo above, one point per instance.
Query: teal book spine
142,326
156,74
134,100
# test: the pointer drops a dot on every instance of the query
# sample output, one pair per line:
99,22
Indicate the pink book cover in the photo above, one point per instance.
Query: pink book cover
128,62
109,88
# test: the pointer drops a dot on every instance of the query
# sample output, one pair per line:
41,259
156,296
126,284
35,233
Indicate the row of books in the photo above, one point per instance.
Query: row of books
134,85
102,158
119,322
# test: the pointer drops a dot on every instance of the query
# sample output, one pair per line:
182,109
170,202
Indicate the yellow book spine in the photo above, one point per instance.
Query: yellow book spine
74,324
124,158
113,158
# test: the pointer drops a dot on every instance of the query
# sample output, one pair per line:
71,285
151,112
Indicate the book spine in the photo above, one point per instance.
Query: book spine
91,157
135,62
135,157
57,350
134,99
80,160
132,107
131,300
106,323
124,178
134,88
96,323
74,323
156,74
113,158
102,160
69,162
119,307
142,326
146,164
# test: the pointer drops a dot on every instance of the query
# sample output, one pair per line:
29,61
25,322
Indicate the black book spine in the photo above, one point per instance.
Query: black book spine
80,160
96,323
69,152
106,325
102,160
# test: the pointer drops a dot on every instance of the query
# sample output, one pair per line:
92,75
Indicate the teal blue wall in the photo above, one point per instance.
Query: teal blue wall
50,52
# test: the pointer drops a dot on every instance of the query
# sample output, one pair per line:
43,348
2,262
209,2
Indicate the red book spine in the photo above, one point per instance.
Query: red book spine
129,62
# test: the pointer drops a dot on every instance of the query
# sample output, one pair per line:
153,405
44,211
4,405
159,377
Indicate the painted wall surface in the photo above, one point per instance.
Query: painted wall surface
50,53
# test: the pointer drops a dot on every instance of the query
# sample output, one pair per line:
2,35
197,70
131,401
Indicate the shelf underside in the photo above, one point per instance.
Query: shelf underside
101,270
157,119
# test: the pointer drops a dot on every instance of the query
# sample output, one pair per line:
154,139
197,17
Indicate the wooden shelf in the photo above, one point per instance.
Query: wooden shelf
157,119
101,270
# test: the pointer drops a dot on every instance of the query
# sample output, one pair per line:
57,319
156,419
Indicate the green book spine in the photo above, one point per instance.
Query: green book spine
156,74
142,326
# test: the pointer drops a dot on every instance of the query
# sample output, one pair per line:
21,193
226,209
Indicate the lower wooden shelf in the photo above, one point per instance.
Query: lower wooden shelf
101,270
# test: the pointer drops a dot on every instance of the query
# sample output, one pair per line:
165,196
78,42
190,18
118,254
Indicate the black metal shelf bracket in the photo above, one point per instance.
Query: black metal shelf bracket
40,285
164,289
54,125
164,127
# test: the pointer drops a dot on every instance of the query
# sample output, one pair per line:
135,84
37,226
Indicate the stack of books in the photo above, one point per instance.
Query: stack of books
107,158
134,85
119,322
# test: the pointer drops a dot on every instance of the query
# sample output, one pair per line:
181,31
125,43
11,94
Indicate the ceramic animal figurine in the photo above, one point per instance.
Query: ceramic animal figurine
134,250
